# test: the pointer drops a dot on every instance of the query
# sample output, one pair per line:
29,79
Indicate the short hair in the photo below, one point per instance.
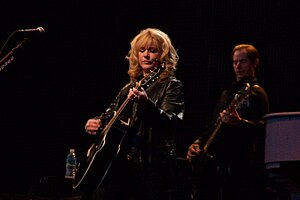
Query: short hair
252,53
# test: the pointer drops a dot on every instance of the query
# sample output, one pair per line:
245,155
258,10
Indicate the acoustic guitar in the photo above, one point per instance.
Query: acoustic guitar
97,160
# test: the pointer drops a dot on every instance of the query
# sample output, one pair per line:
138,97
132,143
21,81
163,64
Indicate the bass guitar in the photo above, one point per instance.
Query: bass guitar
205,161
95,164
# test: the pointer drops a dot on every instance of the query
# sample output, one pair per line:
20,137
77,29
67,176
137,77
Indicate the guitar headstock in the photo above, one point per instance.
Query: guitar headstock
152,76
245,91
240,95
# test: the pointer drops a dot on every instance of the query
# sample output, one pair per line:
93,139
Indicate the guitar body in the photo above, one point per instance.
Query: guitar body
94,167
202,168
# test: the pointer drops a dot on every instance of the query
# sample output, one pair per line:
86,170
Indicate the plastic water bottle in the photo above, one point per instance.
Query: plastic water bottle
71,163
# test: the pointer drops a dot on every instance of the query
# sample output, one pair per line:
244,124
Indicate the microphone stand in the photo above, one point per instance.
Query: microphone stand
8,58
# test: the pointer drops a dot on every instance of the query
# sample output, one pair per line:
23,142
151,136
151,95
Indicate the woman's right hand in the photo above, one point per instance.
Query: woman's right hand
193,151
92,126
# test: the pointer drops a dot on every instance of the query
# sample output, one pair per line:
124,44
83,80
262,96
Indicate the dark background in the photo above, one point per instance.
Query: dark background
59,79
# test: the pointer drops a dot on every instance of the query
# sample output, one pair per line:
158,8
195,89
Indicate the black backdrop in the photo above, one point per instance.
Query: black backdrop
61,78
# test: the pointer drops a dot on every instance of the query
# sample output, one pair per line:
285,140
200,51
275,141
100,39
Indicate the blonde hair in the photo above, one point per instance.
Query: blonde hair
162,42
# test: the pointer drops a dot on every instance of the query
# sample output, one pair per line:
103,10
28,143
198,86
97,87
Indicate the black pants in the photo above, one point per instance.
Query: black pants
216,184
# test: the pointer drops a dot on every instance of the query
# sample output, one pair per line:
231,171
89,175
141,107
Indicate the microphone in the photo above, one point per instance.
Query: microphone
154,61
38,29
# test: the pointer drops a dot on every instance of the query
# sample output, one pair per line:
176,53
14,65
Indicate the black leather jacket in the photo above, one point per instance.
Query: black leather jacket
153,125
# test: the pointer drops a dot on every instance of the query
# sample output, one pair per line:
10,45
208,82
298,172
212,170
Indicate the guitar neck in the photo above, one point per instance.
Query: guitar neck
239,96
212,135
115,117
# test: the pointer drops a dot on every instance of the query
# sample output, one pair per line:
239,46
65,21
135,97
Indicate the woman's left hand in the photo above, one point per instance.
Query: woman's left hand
137,95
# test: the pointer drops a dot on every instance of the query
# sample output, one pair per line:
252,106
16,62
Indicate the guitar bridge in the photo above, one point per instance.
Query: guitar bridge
125,123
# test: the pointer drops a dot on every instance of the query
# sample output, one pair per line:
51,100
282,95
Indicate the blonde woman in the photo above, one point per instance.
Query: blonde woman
154,105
